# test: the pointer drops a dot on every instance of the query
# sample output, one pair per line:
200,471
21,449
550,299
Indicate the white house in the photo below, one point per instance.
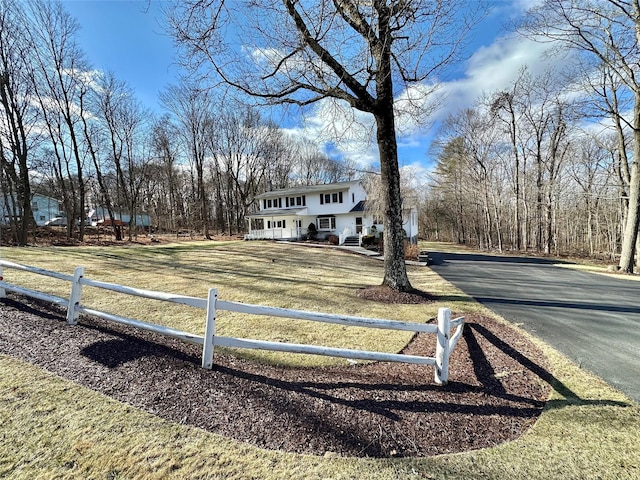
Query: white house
335,209
101,214
44,209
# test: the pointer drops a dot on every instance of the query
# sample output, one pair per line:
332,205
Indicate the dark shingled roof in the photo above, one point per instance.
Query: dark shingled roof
359,207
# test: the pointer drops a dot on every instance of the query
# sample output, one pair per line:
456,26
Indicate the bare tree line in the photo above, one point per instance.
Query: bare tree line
551,164
519,172
82,137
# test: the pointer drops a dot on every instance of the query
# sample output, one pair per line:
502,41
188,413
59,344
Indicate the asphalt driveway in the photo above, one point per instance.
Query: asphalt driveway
593,319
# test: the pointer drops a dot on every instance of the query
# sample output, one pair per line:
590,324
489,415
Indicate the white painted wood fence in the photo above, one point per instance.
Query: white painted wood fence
445,342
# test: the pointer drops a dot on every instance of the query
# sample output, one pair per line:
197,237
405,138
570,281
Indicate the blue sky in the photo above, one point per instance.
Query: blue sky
127,38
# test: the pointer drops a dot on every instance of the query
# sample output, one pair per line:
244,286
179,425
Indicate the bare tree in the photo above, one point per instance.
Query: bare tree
245,148
503,107
18,117
544,122
169,208
193,109
359,53
591,170
314,167
58,67
99,143
605,32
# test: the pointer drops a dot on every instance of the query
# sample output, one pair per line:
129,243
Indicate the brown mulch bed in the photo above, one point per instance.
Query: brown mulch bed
497,389
384,294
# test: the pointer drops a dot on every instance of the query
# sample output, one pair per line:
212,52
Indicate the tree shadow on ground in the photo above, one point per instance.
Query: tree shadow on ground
485,372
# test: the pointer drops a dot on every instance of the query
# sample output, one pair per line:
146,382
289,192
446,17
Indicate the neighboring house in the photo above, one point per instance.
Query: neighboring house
44,209
335,209
101,215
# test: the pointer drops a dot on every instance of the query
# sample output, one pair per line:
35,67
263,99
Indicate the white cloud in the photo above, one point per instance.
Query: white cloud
493,68
415,175
344,131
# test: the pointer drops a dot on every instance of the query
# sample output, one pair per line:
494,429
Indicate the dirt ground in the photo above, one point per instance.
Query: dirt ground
103,236
498,386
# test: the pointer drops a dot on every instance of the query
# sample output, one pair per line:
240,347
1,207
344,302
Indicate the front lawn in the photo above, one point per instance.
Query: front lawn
54,428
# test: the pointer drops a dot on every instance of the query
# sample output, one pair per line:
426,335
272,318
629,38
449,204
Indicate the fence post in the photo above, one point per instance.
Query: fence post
442,346
210,330
74,298
3,292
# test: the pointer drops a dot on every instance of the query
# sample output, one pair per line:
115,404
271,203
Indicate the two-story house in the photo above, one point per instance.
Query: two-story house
44,209
334,209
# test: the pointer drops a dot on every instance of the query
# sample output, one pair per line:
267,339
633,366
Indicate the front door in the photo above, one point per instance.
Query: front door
358,224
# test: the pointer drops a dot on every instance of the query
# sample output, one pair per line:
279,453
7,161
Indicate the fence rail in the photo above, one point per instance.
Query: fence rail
445,342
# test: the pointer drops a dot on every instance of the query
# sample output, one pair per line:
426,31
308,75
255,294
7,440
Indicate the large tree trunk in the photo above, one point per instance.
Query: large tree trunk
633,213
395,271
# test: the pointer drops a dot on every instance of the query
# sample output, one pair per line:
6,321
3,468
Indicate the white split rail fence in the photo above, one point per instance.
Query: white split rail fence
445,342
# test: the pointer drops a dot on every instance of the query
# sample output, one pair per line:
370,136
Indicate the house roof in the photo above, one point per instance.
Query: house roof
359,207
327,187
277,212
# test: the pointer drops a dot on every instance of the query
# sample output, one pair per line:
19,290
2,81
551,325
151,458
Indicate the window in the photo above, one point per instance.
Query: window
281,223
43,218
327,223
298,223
269,203
298,201
330,198
34,206
268,223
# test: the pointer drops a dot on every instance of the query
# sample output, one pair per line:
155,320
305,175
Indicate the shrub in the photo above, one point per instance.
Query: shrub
333,240
312,231
411,251
367,240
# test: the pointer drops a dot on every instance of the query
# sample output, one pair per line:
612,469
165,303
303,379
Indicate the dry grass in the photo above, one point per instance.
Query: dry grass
254,272
53,428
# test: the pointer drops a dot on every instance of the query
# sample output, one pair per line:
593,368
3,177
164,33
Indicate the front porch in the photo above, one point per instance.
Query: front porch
276,234
347,237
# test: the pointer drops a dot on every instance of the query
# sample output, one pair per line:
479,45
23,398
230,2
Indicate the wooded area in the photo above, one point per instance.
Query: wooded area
82,137
551,164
